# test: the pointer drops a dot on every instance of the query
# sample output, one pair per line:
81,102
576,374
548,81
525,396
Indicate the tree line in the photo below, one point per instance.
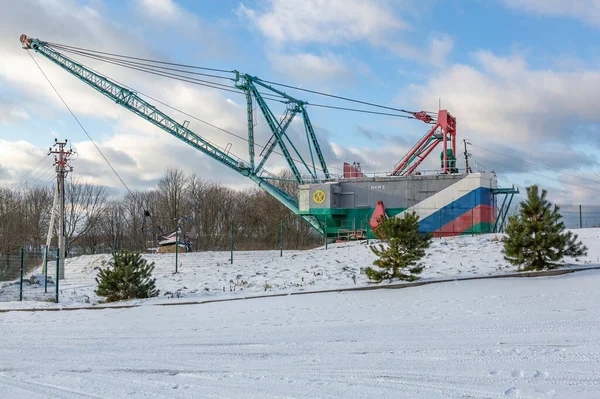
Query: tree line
96,222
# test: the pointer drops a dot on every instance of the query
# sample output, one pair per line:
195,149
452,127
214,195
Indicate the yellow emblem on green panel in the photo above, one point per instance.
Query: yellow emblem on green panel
319,196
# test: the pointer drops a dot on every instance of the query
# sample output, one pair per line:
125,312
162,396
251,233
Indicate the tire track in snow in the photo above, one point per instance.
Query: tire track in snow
45,389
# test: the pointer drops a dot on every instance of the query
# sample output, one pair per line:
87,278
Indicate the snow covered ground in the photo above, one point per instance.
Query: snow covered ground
503,338
206,275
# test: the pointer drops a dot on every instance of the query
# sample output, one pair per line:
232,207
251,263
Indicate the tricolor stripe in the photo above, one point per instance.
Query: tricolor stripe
458,208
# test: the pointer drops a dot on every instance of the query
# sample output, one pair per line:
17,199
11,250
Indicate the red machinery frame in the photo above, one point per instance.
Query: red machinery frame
447,125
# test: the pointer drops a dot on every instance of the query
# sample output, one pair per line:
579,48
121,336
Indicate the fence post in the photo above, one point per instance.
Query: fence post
176,250
472,222
281,239
231,244
57,271
21,276
580,219
440,217
367,230
45,269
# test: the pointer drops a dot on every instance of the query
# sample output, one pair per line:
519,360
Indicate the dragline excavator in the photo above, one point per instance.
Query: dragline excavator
314,170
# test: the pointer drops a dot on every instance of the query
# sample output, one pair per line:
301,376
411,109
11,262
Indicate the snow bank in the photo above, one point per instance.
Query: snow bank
205,275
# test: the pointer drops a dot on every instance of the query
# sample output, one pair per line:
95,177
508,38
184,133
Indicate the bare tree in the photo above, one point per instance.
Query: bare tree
84,204
172,188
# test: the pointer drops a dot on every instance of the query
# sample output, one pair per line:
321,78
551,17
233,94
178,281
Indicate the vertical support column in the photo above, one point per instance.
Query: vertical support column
45,269
580,218
250,114
21,276
472,222
281,239
176,250
61,212
62,168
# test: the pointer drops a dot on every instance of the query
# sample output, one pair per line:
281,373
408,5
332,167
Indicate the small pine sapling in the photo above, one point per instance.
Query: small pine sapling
402,248
127,276
535,237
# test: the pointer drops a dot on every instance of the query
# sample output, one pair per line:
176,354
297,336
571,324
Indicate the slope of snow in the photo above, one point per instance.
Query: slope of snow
209,274
504,338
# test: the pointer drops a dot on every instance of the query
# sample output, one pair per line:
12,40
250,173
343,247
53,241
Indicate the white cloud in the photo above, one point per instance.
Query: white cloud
11,112
585,10
171,13
332,21
501,99
311,68
435,53
160,9
522,120
149,149
289,24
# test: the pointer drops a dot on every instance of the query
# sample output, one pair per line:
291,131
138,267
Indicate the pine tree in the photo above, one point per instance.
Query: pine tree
402,248
127,276
535,237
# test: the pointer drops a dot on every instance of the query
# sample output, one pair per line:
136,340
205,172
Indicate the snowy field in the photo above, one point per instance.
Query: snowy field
503,338
208,275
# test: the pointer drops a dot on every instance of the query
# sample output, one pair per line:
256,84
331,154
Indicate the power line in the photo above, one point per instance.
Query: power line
33,168
80,125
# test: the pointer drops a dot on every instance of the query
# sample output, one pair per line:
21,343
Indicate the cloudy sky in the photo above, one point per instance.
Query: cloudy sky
521,76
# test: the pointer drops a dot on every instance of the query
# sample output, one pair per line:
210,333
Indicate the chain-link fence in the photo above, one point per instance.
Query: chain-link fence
580,216
27,278
29,275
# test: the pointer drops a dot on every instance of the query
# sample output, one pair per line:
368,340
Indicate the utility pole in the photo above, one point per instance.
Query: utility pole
61,162
468,170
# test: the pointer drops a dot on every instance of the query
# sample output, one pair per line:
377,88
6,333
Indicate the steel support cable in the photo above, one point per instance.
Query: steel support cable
185,113
360,110
535,173
85,53
88,135
337,97
144,67
157,71
80,125
538,165
89,51
170,75
141,59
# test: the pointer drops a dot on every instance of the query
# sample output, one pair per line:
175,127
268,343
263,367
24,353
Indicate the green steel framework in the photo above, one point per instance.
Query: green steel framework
278,127
131,101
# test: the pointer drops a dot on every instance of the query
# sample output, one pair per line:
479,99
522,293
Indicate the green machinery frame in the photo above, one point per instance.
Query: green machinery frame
508,194
130,100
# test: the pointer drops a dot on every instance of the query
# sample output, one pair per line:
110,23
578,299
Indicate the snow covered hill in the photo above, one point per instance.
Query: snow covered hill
209,274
